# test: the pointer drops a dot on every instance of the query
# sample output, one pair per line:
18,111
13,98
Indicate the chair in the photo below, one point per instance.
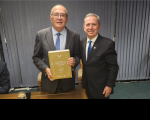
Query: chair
39,80
80,74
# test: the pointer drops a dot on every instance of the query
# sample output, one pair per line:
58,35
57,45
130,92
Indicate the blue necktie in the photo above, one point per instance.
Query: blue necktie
57,46
89,49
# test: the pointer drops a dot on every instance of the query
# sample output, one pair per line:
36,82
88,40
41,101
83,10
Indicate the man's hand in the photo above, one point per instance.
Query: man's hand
107,91
71,61
49,74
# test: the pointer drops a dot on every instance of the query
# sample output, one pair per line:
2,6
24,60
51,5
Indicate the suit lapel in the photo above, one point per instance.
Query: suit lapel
68,38
49,38
95,47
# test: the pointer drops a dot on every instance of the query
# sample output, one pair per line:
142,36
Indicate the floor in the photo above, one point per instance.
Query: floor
132,90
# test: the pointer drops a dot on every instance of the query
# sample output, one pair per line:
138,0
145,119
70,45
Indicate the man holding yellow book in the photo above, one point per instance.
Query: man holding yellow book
57,37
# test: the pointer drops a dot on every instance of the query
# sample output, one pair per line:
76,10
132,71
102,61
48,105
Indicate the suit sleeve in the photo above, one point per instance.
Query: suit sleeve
111,59
77,52
4,89
38,55
5,80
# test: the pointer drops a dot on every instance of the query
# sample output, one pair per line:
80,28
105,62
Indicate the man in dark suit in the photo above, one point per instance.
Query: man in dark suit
99,58
57,37
4,78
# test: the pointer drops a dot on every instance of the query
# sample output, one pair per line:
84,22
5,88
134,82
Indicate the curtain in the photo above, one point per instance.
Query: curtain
133,39
22,20
1,51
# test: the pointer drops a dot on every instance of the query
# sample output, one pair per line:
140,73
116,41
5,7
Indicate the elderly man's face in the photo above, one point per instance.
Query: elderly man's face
91,26
59,18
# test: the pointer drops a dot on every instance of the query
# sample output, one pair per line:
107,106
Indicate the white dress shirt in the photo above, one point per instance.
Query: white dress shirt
63,35
92,43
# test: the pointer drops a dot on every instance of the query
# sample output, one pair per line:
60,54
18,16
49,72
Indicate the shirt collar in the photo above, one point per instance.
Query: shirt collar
55,31
93,40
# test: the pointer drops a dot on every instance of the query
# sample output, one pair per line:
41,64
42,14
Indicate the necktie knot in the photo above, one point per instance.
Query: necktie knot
90,42
58,34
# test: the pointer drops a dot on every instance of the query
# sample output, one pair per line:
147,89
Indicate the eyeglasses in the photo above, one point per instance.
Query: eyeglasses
62,16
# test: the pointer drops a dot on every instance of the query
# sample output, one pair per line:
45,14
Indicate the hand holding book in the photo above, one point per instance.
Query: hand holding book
49,74
71,61
60,64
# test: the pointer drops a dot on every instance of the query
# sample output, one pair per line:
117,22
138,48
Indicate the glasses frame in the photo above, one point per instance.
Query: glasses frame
59,15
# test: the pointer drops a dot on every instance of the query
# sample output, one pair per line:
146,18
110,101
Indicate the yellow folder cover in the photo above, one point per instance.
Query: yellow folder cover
58,64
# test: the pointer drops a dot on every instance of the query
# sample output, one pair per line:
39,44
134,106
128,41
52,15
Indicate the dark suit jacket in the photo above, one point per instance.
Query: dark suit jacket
4,78
101,68
43,44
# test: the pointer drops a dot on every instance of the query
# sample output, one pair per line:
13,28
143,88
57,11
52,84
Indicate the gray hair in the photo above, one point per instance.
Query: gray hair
59,5
92,14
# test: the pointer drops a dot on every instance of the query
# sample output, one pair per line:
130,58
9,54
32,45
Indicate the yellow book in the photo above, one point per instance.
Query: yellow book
58,64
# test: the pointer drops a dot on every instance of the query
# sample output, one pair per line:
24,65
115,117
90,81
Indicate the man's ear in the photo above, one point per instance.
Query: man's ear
99,26
50,18
83,27
67,19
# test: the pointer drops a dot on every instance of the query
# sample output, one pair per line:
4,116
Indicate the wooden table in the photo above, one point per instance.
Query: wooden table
73,94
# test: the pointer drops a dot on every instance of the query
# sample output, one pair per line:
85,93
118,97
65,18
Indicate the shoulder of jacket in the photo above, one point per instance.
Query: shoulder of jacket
74,32
107,40
43,30
82,41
